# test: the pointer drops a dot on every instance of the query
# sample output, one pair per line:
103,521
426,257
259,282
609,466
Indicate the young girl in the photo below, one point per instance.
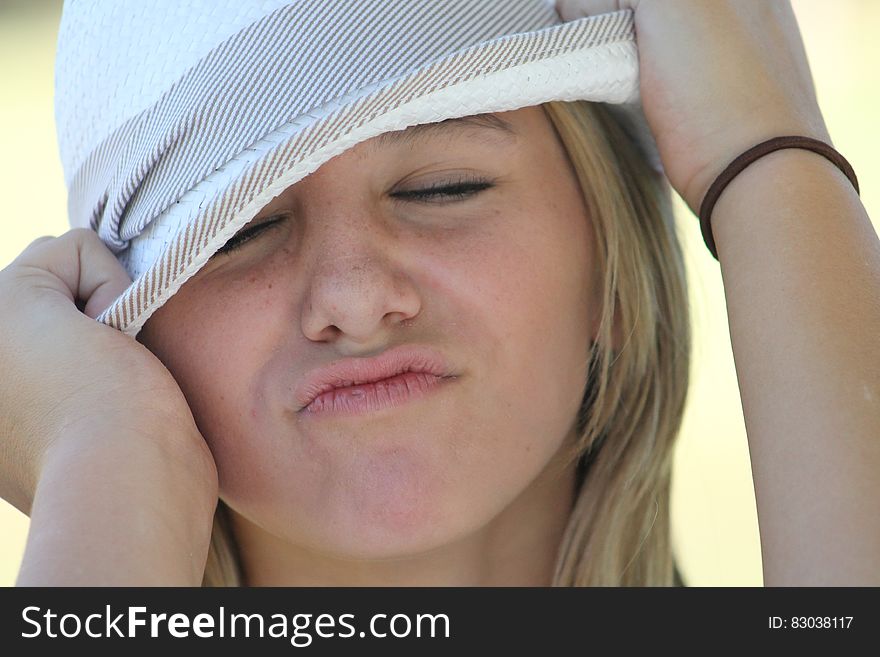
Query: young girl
458,353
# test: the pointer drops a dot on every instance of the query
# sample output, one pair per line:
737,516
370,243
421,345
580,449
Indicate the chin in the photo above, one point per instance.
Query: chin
400,529
383,502
379,503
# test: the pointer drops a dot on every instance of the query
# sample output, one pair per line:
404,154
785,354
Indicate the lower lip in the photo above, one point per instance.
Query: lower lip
370,397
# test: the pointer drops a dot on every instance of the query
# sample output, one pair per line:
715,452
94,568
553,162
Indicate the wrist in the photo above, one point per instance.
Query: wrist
121,508
765,205
722,153
177,440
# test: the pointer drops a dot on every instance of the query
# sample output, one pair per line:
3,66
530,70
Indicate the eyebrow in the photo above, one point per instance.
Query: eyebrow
487,127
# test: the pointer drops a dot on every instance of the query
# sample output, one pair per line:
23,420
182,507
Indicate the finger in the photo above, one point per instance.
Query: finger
79,266
105,278
571,10
40,239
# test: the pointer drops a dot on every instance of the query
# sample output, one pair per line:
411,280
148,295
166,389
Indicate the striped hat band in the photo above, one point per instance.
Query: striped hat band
199,113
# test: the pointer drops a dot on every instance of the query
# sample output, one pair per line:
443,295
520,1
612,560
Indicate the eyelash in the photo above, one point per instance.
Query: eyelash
457,191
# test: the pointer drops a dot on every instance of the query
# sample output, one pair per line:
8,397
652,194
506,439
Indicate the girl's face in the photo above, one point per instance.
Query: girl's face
499,278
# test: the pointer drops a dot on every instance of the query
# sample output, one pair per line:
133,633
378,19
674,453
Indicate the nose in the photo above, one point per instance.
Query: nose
359,290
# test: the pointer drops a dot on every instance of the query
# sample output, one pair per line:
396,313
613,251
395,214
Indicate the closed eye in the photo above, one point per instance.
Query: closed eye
445,192
249,233
440,193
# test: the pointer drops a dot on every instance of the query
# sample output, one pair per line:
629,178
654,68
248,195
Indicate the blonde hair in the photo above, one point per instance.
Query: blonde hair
619,530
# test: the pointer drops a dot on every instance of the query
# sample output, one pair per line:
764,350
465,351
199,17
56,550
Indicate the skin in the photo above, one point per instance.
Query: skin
462,487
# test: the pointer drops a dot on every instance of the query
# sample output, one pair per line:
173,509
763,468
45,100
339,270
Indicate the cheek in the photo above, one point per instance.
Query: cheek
215,353
530,298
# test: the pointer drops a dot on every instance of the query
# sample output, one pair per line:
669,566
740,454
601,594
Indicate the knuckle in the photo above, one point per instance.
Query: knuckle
82,233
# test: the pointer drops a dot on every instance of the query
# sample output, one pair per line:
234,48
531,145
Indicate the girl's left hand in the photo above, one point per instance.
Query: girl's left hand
716,78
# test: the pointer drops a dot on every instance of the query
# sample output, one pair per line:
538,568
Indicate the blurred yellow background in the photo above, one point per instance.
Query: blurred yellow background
714,518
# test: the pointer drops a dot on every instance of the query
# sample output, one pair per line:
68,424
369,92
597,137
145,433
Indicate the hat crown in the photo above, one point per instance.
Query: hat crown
115,60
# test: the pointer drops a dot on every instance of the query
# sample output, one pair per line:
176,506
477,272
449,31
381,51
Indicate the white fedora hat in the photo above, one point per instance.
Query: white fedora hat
178,121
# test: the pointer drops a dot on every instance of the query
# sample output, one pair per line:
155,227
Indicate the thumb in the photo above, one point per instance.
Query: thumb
571,10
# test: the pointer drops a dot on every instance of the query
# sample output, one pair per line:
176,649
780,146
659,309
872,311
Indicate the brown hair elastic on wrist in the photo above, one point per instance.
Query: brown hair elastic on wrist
755,152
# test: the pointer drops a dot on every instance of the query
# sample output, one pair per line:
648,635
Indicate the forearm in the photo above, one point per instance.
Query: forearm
800,263
105,516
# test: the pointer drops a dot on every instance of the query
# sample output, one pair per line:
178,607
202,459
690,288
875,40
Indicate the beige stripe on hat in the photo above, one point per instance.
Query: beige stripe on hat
179,121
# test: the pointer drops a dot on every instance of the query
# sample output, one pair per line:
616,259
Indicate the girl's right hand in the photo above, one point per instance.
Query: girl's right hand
62,370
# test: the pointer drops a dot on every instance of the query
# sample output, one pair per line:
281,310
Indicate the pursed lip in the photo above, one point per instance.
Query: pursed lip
356,371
